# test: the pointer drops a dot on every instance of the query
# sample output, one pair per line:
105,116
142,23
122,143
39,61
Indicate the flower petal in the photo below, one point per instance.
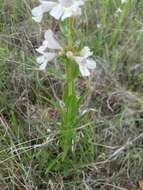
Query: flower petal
57,11
43,66
47,5
90,64
40,59
79,2
81,61
85,64
66,3
43,47
76,11
61,9
37,13
44,59
86,52
66,14
72,10
84,71
123,1
51,41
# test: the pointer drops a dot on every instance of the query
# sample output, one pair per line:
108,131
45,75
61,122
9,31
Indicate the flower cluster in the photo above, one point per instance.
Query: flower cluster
51,48
49,43
60,9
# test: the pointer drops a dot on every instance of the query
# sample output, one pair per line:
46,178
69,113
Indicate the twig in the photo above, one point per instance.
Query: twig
122,148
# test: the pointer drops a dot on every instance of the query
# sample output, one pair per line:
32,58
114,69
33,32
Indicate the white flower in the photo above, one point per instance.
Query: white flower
44,59
118,11
45,6
51,43
85,63
59,9
83,60
98,25
123,1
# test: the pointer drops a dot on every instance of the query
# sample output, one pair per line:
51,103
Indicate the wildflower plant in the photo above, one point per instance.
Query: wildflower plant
75,59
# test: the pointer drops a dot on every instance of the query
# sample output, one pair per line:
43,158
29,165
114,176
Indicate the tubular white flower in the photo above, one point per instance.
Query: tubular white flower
59,9
118,11
86,52
51,43
44,59
38,11
123,1
84,61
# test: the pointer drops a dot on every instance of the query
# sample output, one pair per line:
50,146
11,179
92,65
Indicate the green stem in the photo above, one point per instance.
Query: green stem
70,41
70,82
70,94
68,120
